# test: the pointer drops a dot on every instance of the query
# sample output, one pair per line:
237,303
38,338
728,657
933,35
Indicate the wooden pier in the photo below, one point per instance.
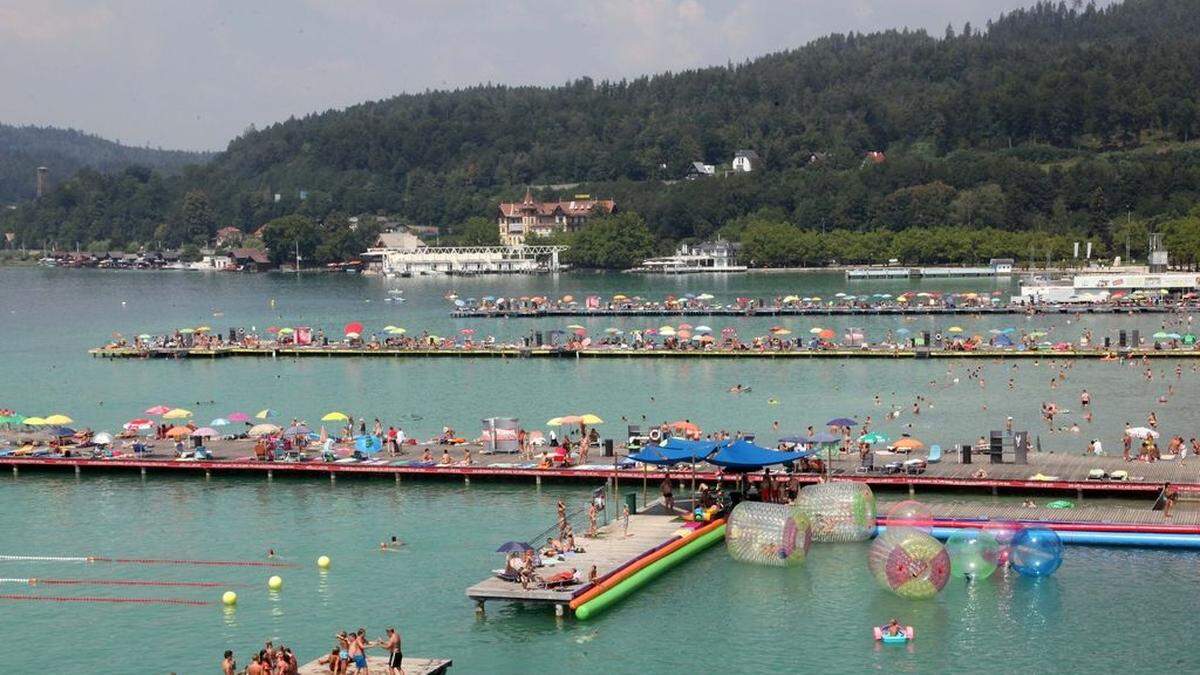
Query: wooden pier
613,548
567,312
513,352
1046,473
378,664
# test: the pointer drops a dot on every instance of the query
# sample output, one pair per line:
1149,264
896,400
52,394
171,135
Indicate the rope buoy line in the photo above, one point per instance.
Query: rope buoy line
36,581
144,561
49,558
212,563
137,601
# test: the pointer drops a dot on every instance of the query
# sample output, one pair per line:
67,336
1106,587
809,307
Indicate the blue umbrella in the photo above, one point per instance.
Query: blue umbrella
841,422
298,430
793,439
823,437
514,547
61,431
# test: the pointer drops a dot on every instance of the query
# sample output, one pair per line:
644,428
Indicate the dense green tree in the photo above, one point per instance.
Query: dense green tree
619,241
477,231
290,236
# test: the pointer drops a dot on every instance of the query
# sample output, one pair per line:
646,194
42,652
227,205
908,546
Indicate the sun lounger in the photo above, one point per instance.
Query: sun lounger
1097,474
915,466
1119,475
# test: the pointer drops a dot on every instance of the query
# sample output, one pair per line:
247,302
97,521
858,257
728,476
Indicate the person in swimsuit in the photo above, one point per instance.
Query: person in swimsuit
228,664
892,628
395,656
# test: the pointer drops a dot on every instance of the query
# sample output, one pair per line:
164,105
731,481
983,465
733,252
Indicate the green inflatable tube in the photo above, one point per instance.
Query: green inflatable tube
647,574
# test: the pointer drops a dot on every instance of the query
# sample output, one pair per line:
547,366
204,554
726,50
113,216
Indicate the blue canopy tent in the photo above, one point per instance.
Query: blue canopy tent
673,451
743,455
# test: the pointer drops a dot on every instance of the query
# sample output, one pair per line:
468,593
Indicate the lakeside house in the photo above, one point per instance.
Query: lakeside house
745,161
700,170
518,220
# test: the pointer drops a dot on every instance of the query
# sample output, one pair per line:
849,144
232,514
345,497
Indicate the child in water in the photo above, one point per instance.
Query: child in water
892,628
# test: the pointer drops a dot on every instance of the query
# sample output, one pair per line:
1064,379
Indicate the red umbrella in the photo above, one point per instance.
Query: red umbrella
158,410
826,334
353,327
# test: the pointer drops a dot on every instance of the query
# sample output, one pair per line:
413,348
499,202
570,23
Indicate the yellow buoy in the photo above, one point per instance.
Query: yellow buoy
275,583
229,598
323,562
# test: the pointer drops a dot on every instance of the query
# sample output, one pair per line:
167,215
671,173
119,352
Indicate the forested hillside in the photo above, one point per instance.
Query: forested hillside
1054,122
66,151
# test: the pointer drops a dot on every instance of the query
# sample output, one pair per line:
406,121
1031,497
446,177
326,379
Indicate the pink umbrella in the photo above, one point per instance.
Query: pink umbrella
138,425
206,432
158,410
238,417
467,331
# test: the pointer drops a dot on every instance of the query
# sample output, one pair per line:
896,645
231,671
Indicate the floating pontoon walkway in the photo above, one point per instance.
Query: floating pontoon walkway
378,664
1046,473
492,313
617,353
608,552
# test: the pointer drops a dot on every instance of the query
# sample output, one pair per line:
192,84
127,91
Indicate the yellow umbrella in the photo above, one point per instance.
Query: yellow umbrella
554,422
59,419
202,329
264,413
591,419
620,296
177,414
335,417
955,329
575,326
34,421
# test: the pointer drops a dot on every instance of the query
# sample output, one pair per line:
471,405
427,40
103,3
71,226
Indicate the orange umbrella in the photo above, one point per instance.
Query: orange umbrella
826,334
908,444
178,432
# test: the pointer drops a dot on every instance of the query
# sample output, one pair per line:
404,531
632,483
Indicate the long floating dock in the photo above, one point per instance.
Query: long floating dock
491,313
553,353
1059,474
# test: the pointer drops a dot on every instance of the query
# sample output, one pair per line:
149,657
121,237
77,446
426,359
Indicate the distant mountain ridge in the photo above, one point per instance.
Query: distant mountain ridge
1063,120
66,151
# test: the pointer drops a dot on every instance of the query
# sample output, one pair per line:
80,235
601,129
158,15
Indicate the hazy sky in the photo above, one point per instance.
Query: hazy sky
194,73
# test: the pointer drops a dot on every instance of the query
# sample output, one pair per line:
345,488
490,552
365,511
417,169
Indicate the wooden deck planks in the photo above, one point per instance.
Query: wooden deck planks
607,552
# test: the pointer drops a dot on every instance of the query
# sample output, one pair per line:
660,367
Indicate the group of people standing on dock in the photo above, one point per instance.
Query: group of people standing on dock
348,656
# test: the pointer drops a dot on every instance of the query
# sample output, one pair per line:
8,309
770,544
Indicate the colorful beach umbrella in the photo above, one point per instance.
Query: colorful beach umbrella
158,410
265,413
139,424
219,422
263,430
59,419
178,432
873,438
34,421
353,327
205,432
237,417
177,414
335,416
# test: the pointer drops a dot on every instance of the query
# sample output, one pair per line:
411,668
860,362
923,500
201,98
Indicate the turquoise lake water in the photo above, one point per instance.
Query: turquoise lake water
1102,607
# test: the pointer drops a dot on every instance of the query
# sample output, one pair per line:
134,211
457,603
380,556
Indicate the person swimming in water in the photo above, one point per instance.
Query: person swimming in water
892,628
